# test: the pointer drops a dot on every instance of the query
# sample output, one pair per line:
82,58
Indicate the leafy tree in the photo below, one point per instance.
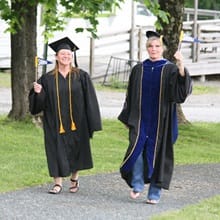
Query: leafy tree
21,18
172,29
156,9
204,4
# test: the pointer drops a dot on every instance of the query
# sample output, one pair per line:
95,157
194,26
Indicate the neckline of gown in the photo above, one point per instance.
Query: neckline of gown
157,63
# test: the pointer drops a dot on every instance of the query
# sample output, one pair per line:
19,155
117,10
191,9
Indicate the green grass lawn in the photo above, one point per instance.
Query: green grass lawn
5,80
23,162
208,209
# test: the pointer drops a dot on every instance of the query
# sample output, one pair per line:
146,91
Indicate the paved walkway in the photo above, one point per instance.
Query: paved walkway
105,197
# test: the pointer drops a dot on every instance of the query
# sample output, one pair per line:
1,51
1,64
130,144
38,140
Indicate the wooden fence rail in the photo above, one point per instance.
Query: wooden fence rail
206,54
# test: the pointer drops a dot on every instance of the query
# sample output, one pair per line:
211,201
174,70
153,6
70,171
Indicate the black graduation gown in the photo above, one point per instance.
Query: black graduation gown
70,151
173,89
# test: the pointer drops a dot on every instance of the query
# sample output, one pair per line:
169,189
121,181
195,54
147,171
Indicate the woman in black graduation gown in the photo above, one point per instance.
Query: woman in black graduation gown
70,115
149,111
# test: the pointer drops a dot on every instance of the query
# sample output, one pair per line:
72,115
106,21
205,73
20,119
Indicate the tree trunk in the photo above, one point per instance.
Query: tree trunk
172,32
23,51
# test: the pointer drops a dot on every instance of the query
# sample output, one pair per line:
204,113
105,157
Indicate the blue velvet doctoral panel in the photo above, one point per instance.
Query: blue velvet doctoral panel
150,109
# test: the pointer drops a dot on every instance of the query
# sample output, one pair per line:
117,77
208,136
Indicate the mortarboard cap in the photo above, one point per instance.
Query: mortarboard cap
155,34
64,43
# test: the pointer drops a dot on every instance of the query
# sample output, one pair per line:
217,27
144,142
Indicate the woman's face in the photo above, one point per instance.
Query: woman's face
64,57
155,49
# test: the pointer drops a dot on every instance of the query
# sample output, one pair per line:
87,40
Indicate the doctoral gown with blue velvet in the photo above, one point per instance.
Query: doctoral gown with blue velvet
150,113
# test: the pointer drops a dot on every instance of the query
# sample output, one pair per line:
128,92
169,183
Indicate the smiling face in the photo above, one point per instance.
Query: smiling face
155,48
64,57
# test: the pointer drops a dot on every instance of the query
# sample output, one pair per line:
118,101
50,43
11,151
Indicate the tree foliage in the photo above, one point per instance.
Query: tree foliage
172,29
204,4
155,8
56,13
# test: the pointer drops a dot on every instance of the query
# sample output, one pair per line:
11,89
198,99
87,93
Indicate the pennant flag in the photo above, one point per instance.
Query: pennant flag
40,61
189,39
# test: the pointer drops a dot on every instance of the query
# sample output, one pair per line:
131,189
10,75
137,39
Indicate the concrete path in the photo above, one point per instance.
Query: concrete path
105,197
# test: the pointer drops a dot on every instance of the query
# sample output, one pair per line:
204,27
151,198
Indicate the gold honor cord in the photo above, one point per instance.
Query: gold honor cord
73,126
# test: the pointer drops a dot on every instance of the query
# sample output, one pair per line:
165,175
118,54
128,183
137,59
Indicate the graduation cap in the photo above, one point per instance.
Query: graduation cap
155,34
65,43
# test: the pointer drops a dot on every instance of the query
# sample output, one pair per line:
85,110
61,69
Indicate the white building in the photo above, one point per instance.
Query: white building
118,20
5,50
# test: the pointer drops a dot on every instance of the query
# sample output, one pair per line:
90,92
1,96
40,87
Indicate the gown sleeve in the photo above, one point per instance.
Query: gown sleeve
91,104
180,86
36,101
124,114
131,94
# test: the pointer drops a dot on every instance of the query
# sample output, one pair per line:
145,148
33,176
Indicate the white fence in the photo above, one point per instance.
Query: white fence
204,57
201,58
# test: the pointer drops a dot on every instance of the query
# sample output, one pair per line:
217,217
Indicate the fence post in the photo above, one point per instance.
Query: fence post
202,77
198,44
140,41
132,32
91,57
131,45
195,30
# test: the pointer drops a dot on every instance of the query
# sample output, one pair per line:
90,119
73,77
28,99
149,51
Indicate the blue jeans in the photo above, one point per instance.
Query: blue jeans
137,182
154,192
137,175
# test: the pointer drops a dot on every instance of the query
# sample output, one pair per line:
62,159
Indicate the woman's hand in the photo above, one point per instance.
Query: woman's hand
178,56
37,87
179,62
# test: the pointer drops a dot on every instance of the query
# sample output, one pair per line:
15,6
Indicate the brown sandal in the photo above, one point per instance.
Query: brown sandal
54,190
75,188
